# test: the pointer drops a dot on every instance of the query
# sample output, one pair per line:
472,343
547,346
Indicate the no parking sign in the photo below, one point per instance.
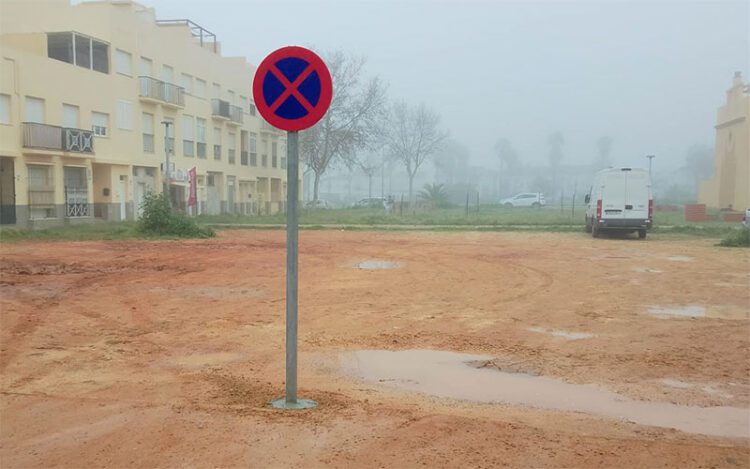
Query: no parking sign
292,89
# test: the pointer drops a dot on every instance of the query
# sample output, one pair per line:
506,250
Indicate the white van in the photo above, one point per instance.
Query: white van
620,199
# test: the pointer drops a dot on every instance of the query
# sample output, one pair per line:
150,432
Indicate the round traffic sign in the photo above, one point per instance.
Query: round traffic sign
292,88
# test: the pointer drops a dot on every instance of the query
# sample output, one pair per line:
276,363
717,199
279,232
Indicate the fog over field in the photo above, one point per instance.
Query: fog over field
648,76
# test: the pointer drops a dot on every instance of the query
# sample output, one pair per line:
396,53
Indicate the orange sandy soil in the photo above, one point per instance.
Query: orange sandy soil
165,354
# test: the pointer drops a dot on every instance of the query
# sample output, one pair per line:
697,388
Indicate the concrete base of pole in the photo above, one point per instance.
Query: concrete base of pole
299,405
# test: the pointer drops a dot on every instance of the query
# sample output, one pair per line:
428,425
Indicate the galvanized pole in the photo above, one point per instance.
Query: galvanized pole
290,400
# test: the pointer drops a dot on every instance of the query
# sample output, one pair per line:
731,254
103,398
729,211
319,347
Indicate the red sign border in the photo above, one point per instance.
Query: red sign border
326,88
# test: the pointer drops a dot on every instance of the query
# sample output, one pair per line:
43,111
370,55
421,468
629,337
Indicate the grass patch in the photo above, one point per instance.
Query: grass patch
739,238
83,232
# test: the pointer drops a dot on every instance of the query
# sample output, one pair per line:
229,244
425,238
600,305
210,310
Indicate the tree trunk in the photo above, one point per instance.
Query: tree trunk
316,186
411,190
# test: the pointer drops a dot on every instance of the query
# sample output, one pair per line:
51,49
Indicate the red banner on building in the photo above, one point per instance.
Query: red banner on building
193,197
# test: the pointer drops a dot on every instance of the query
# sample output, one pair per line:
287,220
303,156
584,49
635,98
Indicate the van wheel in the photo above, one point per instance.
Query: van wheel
595,231
641,234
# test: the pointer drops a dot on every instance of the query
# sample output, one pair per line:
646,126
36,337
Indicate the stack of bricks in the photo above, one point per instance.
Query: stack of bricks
695,212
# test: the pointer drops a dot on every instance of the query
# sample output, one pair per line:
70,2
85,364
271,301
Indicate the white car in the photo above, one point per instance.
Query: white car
746,221
525,199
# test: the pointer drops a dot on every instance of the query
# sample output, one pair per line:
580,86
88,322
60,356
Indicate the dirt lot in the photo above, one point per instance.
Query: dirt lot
146,354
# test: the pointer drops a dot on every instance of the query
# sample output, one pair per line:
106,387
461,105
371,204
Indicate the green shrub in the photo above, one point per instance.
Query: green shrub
158,219
739,238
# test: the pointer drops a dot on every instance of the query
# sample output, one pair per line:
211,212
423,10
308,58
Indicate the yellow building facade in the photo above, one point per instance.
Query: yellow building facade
730,186
93,95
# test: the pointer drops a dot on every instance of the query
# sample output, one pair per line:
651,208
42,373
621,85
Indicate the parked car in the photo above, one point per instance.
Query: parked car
525,199
746,220
620,199
319,205
369,202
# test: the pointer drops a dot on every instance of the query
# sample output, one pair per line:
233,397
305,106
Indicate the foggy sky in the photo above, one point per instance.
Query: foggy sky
649,74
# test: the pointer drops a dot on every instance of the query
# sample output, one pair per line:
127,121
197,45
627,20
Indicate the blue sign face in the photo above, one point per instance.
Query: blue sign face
298,76
292,88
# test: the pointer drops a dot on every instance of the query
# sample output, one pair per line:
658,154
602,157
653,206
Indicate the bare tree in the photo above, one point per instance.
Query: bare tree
413,136
451,161
369,162
604,147
353,121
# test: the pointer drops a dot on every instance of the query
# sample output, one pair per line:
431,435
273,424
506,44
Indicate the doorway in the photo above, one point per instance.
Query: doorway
7,192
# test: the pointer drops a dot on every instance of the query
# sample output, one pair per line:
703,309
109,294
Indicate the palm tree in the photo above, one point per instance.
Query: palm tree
435,195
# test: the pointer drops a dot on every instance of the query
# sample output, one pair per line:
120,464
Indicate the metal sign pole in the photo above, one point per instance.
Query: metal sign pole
290,400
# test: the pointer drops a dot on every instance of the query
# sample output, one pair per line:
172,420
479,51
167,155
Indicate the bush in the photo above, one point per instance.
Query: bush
158,219
739,238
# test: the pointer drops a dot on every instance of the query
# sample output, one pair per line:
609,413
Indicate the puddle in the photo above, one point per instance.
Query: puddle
449,375
682,311
680,258
378,265
647,270
563,334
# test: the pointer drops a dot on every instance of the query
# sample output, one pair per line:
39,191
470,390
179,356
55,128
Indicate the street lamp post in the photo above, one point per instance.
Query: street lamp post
167,169
650,158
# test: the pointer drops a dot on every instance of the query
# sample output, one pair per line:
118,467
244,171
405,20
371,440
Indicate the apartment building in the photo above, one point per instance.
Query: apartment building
729,188
92,96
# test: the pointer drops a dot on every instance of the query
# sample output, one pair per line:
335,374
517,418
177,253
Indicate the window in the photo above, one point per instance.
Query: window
274,154
99,123
188,149
147,127
200,125
253,147
243,103
124,115
123,62
251,109
79,50
41,192
60,47
147,67
70,116
264,153
186,81
100,56
230,148
34,110
4,109
282,150
167,74
217,143
200,88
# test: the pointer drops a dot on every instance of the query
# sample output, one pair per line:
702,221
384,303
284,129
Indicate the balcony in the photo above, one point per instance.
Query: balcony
161,92
222,110
56,138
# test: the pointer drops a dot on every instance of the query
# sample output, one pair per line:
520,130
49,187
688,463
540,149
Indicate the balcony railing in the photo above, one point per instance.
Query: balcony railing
222,109
56,138
167,93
